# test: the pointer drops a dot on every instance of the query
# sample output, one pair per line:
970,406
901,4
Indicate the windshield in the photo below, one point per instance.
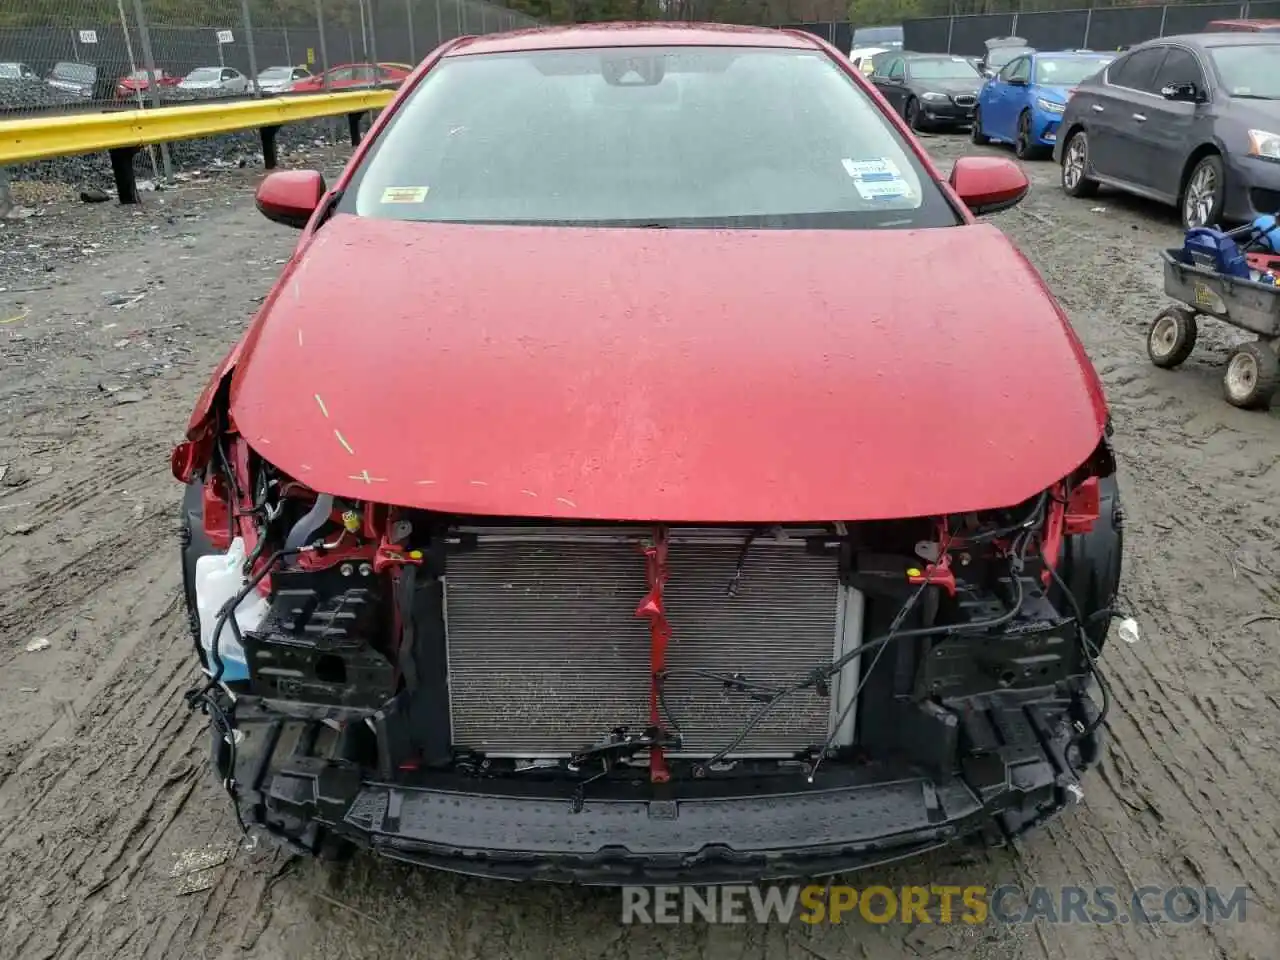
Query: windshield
205,73
877,36
943,68
73,71
999,56
1251,71
652,136
10,71
276,73
1067,71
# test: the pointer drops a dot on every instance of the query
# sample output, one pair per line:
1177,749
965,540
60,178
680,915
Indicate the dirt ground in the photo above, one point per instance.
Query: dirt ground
116,843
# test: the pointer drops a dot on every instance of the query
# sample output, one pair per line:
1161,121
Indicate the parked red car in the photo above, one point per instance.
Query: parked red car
137,81
633,478
1243,26
349,75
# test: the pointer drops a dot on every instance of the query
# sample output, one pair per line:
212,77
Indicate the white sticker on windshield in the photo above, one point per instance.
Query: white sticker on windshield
879,169
877,179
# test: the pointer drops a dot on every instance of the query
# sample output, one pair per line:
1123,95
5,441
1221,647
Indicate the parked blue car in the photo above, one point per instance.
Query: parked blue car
1023,103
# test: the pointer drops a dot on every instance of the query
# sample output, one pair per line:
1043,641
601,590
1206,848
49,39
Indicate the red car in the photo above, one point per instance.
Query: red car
1243,26
137,82
633,478
350,75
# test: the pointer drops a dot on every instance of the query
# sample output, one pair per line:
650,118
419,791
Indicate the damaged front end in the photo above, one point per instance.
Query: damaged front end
621,702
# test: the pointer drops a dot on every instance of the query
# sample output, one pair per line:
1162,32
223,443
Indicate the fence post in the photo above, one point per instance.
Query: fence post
1088,25
484,25
253,53
153,85
373,39
1164,12
439,24
6,199
457,5
408,14
324,48
951,29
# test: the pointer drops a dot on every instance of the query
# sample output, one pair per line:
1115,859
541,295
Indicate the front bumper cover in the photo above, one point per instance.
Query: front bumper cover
731,831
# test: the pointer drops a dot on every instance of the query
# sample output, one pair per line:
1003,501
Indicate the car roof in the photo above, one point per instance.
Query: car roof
1225,38
1074,54
1251,24
595,35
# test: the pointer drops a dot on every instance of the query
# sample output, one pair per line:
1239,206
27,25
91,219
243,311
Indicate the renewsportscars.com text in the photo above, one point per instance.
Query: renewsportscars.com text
937,903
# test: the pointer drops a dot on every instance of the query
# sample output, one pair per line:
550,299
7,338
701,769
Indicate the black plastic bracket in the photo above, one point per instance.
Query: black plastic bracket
353,122
122,170
269,156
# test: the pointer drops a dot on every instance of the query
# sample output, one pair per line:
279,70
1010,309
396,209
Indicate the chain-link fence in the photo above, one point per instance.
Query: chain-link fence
1096,27
64,54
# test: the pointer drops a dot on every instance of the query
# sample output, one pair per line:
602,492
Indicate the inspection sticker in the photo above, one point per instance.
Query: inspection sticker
404,194
877,179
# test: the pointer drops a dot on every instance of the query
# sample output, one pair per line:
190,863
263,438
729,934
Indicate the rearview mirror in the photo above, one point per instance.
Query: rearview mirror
988,184
1181,92
290,196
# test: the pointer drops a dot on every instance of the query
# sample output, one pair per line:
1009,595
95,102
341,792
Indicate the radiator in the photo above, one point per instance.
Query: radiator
546,655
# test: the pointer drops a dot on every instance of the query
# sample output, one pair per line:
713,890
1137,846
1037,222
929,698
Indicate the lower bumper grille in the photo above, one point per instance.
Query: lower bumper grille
546,655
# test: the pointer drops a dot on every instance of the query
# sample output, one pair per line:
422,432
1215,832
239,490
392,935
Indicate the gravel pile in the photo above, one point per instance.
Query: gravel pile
20,95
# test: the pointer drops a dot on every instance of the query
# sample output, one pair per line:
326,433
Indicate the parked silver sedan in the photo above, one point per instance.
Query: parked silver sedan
215,80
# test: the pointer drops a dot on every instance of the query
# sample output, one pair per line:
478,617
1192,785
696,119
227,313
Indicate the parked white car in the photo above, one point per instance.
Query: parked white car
215,80
280,79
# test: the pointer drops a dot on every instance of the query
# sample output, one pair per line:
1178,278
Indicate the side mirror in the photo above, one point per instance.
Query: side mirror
1181,92
1016,82
988,184
290,196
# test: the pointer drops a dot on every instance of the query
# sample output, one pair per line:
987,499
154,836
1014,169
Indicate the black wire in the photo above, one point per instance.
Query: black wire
225,613
1034,514
898,619
1092,653
225,729
825,672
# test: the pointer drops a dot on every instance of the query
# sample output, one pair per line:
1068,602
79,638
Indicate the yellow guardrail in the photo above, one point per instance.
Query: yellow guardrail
122,132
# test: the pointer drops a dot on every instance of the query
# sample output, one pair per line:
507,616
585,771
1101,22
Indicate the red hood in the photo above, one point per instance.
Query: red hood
674,375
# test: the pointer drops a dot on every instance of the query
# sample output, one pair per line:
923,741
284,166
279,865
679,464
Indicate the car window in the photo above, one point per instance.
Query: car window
74,71
1250,72
364,74
1137,71
1066,71
1180,66
204,73
677,137
1000,56
1006,72
942,68
299,73
1019,69
228,74
897,69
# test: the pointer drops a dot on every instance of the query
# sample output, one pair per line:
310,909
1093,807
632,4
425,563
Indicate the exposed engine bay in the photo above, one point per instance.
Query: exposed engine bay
640,698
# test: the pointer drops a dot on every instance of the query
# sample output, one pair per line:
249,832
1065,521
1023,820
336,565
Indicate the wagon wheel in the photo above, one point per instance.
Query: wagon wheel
1171,337
1252,376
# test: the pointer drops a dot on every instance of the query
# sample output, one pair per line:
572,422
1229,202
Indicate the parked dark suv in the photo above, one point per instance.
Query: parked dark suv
1189,120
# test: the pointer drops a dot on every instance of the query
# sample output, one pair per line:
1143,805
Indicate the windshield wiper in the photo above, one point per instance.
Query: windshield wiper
1252,96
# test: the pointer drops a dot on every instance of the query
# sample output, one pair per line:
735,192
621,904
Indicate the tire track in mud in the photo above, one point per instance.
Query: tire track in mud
1192,469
